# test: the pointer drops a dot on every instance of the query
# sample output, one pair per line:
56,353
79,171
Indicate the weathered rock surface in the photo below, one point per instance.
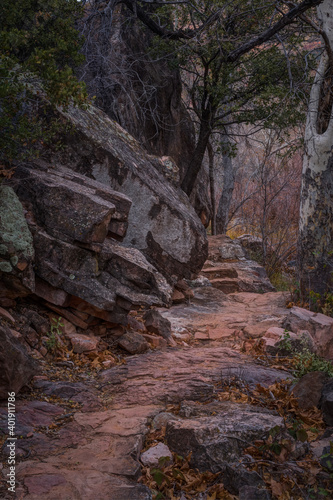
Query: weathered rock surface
101,149
230,271
133,342
183,374
16,366
16,248
70,206
74,220
157,455
250,242
326,402
94,456
83,343
318,325
212,315
155,323
308,389
218,433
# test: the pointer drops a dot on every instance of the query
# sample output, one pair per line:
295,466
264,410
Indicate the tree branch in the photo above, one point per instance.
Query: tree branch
287,19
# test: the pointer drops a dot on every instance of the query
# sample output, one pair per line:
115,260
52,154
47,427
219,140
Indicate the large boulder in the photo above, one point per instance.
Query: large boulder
161,223
218,432
16,366
148,103
318,325
72,207
74,221
16,247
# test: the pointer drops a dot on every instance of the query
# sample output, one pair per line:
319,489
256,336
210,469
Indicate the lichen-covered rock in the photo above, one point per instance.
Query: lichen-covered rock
75,223
16,366
162,223
217,433
16,247
70,207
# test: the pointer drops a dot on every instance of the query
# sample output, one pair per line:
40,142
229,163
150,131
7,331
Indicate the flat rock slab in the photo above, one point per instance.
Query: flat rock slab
93,457
219,438
186,374
213,315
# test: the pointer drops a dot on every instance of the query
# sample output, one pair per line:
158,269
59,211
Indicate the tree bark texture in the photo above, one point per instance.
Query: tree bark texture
222,217
212,187
315,246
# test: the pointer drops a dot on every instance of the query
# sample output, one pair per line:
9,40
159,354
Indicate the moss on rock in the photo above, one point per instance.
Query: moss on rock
15,235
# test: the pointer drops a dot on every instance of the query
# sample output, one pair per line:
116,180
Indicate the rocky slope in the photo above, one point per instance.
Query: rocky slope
82,435
102,230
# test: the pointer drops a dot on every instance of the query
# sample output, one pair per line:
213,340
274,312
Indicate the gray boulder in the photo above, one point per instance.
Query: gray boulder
16,366
162,223
72,207
74,221
218,439
16,247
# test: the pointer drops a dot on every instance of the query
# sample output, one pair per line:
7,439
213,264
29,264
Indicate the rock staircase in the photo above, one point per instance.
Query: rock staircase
229,269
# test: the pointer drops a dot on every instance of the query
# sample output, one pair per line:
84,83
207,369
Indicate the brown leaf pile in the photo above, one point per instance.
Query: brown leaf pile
179,480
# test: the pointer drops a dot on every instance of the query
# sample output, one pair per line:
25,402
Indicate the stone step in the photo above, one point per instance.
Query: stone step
230,285
219,272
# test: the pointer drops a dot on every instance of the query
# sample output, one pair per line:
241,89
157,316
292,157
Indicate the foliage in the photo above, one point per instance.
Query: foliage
171,482
303,360
54,334
306,361
321,303
264,84
280,281
266,199
39,49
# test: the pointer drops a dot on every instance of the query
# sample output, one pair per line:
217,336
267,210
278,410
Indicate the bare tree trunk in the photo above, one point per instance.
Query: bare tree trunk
212,186
222,217
315,246
197,157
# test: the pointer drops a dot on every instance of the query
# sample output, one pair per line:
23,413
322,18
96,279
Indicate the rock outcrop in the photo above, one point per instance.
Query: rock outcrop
74,221
16,248
229,270
217,433
319,326
16,366
161,223
145,97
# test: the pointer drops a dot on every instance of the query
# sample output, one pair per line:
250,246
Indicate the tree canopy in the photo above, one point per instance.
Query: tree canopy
39,49
242,62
